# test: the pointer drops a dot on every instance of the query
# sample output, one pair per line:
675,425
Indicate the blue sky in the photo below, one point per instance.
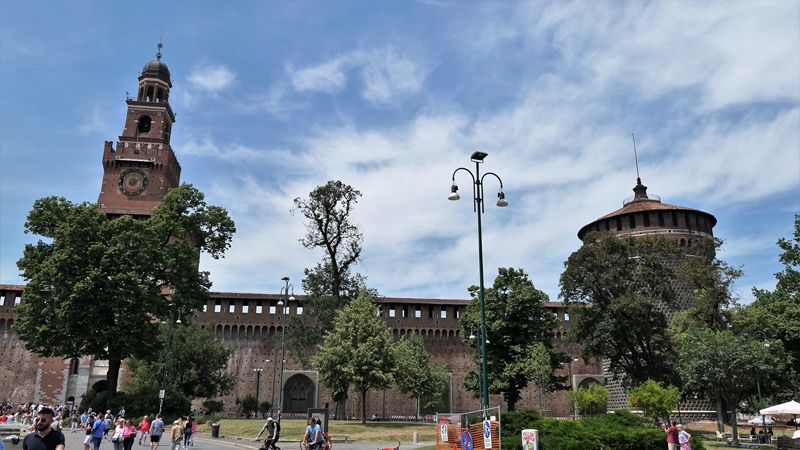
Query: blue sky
274,98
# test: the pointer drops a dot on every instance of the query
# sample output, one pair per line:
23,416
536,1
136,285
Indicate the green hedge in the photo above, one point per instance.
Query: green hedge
619,431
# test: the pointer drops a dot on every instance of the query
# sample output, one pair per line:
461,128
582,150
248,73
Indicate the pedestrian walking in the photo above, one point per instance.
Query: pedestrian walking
87,427
187,431
98,431
144,429
116,437
73,426
45,437
156,429
176,437
128,434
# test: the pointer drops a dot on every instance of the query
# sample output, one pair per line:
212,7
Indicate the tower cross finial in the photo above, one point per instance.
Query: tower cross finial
160,45
636,158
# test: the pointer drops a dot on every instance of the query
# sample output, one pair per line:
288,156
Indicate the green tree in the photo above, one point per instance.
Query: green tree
516,318
141,389
724,365
359,351
655,400
777,313
331,284
711,280
328,210
212,406
96,286
617,288
247,406
416,374
590,400
537,365
197,364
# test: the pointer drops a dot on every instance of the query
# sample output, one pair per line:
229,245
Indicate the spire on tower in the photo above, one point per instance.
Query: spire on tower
636,158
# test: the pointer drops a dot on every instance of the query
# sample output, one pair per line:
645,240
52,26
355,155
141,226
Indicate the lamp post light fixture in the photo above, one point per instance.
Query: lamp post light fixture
572,388
284,302
274,372
478,206
258,371
758,385
172,322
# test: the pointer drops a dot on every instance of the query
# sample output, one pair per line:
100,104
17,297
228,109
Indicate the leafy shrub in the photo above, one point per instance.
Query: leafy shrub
618,431
655,400
212,406
247,406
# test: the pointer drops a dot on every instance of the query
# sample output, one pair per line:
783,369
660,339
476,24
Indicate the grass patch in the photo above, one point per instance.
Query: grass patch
293,430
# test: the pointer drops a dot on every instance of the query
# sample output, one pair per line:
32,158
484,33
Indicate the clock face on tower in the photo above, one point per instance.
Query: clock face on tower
132,182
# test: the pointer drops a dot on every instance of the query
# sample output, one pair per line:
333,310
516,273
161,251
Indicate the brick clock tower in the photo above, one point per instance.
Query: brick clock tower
142,167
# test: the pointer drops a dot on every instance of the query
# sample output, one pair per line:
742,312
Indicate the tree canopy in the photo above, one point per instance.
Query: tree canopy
332,282
516,319
358,352
416,374
328,210
727,365
197,364
777,314
98,286
618,288
656,401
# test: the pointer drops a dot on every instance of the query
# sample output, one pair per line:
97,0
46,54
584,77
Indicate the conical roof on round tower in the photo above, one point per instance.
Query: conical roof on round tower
645,214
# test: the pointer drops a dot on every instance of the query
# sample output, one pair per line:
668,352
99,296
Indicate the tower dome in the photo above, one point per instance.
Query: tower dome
645,214
156,68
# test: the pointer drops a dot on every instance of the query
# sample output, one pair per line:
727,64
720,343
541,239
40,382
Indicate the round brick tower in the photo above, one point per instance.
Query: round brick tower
646,215
643,215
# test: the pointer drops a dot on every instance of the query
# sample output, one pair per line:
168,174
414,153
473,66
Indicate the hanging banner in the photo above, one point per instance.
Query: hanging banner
530,439
487,433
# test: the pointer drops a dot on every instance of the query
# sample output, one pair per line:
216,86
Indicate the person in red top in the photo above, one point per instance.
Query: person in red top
144,429
672,435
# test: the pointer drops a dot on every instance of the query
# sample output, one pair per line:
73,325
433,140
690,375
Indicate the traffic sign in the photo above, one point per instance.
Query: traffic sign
466,441
487,433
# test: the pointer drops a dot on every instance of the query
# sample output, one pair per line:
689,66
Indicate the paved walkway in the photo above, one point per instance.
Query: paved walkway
295,445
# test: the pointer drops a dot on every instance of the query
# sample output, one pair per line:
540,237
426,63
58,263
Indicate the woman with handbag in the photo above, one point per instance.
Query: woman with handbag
128,434
116,438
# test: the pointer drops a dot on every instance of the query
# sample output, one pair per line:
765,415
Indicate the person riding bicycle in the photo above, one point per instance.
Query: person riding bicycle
313,437
273,434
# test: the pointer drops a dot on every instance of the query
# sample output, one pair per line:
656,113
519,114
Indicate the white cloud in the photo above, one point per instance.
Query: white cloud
385,73
207,147
733,52
328,77
211,78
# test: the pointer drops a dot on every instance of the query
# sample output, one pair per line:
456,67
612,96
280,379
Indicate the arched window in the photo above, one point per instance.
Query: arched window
145,123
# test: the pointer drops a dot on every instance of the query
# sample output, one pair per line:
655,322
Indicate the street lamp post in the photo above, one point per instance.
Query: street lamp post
172,322
284,302
274,373
572,388
758,386
258,370
478,207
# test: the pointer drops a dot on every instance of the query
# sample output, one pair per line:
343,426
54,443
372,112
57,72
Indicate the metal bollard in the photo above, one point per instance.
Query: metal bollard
415,438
